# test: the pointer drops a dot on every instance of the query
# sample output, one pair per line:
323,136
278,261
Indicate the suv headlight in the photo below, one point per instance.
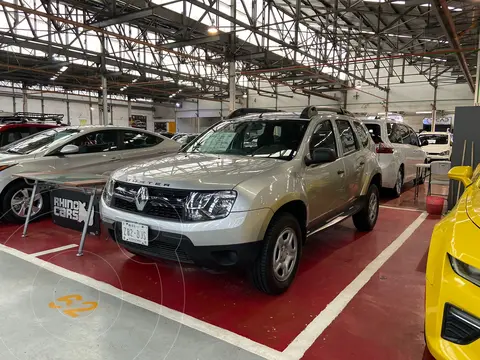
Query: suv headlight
445,153
466,271
201,206
108,191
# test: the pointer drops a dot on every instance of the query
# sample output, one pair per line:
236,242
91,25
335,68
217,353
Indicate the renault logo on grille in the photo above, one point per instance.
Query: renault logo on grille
141,198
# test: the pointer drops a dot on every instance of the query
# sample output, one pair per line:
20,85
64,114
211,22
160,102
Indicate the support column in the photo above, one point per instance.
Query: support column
25,98
231,86
476,101
434,106
90,107
68,111
104,120
42,100
111,111
13,99
100,112
129,109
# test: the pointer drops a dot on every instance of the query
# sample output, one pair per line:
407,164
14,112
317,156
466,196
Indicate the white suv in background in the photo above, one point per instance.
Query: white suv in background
437,145
398,149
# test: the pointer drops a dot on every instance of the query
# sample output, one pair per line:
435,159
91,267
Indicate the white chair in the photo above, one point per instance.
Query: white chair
439,175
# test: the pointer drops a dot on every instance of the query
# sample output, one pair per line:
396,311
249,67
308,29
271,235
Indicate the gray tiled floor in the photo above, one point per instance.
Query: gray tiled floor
30,329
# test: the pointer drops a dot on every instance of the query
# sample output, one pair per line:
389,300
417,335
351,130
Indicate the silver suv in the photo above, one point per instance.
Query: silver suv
248,192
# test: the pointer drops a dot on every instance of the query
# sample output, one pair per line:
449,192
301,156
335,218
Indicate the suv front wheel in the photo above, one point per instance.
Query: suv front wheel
366,218
277,264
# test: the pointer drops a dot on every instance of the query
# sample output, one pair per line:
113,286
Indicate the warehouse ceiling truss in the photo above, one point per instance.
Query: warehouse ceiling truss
176,50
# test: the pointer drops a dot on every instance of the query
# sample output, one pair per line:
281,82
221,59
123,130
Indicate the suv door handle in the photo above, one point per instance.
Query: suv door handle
340,172
361,163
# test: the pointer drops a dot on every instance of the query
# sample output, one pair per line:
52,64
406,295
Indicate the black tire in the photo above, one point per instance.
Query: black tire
364,220
262,272
10,215
397,189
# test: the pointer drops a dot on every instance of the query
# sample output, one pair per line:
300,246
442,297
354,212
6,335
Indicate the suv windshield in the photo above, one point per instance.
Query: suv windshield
434,139
38,141
277,139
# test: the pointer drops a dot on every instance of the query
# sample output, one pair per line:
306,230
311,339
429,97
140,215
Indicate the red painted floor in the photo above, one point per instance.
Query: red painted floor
385,319
330,262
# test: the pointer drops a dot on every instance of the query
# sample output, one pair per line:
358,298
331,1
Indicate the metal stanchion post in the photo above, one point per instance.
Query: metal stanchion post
30,206
85,226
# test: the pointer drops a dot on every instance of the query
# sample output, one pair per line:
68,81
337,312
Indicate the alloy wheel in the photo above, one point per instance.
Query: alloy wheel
285,254
372,207
21,200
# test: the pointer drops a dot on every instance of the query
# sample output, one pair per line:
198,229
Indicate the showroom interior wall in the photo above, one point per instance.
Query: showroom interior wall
79,107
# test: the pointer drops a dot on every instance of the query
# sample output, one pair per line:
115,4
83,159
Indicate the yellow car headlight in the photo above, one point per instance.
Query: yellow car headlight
466,271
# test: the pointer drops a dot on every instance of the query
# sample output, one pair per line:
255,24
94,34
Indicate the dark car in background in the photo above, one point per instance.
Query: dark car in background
16,126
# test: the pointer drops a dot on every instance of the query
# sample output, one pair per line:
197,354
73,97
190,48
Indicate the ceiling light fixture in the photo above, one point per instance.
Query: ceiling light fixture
244,95
422,112
212,30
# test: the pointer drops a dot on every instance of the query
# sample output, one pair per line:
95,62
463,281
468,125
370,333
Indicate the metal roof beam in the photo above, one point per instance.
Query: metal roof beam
125,18
196,41
281,42
440,8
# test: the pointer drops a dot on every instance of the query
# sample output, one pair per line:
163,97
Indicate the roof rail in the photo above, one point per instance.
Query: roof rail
310,111
246,111
24,117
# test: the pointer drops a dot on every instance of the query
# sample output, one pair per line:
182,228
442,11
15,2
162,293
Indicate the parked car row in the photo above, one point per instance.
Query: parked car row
247,192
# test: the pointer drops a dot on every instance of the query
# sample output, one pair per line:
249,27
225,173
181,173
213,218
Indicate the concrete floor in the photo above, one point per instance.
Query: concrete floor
344,303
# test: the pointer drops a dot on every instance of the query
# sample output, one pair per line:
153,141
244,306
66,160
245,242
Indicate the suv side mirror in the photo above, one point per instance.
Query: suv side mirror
424,143
69,149
320,156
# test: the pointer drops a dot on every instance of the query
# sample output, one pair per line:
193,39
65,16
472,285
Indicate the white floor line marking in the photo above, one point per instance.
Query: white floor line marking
400,208
54,250
194,323
312,332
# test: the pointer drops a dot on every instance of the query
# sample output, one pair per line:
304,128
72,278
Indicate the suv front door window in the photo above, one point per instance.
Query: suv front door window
325,182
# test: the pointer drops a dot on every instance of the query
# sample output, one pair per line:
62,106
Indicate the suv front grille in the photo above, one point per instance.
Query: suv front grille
162,203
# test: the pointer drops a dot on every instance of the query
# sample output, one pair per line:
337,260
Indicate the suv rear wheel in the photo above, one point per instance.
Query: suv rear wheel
277,264
366,218
16,200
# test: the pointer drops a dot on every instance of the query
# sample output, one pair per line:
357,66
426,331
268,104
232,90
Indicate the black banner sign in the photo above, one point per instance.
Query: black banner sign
70,210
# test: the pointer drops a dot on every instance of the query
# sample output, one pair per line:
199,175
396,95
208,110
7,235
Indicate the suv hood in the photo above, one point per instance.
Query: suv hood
196,171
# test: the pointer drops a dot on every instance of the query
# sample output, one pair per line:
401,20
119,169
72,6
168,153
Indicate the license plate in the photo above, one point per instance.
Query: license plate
135,233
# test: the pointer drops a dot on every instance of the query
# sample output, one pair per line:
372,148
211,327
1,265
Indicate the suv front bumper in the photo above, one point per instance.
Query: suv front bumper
234,240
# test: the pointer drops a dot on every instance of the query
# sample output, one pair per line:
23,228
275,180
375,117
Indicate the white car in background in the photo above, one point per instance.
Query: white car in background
87,149
398,149
437,145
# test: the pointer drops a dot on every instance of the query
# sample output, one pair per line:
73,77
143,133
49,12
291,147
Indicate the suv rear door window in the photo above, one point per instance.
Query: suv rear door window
405,134
347,136
362,134
323,137
375,132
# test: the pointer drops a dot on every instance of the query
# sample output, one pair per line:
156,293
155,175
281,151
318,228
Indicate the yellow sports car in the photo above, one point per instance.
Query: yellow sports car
452,313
